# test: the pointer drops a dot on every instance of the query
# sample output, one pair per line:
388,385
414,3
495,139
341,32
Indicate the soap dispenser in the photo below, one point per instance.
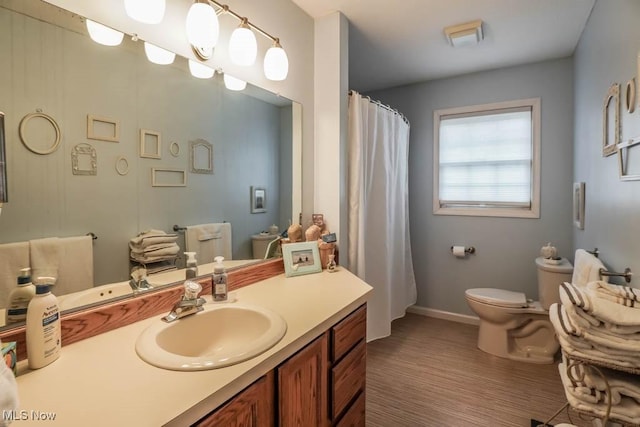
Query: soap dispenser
192,265
20,297
219,280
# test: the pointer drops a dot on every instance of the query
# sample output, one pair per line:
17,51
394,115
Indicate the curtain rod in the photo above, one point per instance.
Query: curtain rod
385,106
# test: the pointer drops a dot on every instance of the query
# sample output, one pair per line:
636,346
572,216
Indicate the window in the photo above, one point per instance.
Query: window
486,160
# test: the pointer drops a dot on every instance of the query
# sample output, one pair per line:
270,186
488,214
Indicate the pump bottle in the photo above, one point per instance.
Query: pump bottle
43,325
20,297
192,265
219,280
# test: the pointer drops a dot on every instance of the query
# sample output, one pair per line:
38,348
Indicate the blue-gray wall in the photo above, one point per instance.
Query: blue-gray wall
607,53
506,247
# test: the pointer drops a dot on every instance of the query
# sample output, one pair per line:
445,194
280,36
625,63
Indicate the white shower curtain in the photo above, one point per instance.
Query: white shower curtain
379,250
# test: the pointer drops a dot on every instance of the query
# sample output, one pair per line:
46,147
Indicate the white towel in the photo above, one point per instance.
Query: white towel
586,268
152,237
8,392
75,266
627,410
45,257
602,309
209,241
13,257
623,295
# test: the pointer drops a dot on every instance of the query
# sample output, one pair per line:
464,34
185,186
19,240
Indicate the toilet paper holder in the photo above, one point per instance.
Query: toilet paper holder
467,250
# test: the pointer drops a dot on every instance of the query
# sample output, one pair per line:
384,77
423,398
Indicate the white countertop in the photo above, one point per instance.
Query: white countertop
101,381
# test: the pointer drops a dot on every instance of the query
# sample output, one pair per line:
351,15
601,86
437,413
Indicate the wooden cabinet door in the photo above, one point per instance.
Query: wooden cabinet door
253,407
302,387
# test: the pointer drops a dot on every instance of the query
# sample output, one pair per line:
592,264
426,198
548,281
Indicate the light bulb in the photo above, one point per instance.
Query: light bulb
158,55
202,26
200,71
104,35
243,47
233,83
145,11
276,63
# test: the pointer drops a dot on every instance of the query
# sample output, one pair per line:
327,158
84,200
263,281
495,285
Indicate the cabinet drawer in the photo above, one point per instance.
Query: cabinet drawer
355,416
348,379
348,332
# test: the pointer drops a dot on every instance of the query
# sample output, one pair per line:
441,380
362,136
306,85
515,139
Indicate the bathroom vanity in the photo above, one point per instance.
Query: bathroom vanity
102,379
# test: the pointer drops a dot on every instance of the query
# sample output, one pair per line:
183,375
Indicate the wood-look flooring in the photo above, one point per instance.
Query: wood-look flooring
429,372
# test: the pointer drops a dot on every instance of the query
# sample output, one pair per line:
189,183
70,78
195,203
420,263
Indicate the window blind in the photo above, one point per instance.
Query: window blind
485,159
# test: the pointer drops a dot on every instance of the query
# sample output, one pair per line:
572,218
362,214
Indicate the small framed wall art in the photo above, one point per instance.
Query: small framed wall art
258,200
301,258
578,205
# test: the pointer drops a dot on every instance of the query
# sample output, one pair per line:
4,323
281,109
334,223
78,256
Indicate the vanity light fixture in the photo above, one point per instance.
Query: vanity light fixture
243,47
233,83
242,44
203,29
276,63
467,34
158,55
104,35
145,11
200,71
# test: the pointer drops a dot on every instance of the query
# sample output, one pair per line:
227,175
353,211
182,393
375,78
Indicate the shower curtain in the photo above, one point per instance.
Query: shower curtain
379,249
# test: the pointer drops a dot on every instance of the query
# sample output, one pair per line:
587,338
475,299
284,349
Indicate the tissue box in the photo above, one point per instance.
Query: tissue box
10,356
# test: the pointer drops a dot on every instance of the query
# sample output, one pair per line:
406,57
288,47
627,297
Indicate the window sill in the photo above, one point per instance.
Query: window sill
490,212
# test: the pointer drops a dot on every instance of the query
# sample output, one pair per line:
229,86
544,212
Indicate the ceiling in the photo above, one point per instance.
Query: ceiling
393,43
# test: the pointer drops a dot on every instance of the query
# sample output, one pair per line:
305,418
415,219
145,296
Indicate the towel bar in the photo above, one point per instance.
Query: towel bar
627,274
178,228
93,236
595,252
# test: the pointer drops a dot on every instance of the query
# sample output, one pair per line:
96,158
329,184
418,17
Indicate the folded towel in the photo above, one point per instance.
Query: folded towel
585,320
8,392
586,268
602,309
13,257
580,348
623,295
626,410
153,248
209,241
152,237
45,257
593,386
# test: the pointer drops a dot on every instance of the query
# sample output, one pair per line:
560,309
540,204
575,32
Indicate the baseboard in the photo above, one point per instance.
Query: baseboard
446,315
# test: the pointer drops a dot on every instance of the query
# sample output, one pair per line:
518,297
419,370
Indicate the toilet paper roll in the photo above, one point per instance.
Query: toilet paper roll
459,251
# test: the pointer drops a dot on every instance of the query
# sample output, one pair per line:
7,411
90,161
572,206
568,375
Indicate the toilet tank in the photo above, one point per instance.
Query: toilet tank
551,274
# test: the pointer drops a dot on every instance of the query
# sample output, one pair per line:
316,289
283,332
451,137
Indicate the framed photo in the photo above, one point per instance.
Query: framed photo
301,258
578,205
258,200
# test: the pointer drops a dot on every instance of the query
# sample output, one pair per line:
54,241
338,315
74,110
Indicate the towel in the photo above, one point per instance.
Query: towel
588,382
167,253
209,241
152,237
13,257
602,309
626,410
585,320
586,268
623,295
45,257
580,348
75,266
154,249
8,392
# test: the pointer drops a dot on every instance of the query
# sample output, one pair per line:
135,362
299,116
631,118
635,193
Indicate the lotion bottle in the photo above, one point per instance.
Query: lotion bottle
20,297
219,280
43,325
192,266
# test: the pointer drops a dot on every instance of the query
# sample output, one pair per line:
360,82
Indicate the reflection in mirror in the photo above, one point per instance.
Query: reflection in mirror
52,65
3,165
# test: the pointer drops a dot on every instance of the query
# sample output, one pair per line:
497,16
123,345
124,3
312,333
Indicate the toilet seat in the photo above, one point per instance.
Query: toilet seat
498,297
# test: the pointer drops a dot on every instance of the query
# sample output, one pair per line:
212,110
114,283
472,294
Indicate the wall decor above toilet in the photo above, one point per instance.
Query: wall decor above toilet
150,144
578,205
36,141
84,159
611,120
201,156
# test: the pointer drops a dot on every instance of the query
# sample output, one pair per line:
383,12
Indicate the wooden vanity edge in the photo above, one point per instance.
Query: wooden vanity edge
87,323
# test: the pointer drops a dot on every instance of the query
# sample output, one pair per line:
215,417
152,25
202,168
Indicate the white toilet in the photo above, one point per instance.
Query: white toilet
516,328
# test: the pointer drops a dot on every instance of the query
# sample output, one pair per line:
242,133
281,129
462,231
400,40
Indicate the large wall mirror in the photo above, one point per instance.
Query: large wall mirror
50,66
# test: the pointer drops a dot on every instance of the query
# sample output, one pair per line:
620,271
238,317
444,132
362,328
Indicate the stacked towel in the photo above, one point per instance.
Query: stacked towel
209,241
627,409
153,246
586,268
623,295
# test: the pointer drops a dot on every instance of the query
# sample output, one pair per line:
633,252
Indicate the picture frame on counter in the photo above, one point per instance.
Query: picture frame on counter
301,258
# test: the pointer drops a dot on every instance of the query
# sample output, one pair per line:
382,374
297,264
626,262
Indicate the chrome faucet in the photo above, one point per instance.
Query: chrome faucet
138,280
189,303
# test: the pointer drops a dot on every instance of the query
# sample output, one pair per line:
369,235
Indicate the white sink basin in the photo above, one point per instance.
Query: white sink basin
219,336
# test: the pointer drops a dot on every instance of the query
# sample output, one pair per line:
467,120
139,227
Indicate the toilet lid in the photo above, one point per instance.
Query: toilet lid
499,297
